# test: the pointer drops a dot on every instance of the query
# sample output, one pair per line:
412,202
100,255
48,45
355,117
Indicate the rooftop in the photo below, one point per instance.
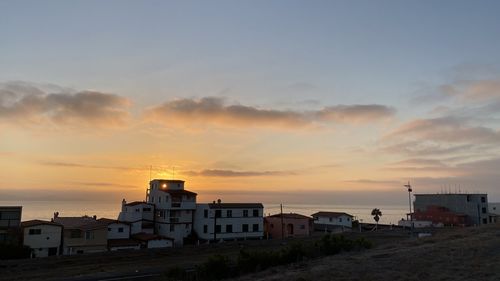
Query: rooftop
234,205
83,223
38,222
331,214
290,216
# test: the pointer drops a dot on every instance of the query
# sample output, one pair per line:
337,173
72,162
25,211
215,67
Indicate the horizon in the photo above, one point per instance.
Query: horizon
320,103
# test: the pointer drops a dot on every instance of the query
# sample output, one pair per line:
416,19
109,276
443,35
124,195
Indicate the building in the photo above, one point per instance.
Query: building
287,225
473,206
43,237
10,221
174,208
229,220
440,215
329,221
140,216
119,235
83,234
494,212
151,241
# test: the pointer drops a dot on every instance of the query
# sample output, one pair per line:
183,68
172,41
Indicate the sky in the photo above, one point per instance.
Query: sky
276,101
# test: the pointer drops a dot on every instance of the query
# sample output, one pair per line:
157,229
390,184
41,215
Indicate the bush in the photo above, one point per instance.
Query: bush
215,268
12,251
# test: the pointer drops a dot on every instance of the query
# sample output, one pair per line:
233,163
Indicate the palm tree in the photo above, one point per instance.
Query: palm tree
376,213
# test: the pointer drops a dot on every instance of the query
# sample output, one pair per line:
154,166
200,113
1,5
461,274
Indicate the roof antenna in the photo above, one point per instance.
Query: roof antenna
150,168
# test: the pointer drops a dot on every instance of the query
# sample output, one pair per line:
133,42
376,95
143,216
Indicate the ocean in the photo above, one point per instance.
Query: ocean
44,210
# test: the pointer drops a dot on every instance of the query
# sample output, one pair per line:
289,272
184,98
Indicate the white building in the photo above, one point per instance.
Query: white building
230,221
174,208
494,212
140,215
331,220
151,241
43,237
119,235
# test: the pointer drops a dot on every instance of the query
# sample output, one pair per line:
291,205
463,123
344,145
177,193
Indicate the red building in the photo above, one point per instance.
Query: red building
293,225
438,214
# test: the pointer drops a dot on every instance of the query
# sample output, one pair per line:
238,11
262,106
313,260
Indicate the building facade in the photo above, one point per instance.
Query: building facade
229,221
474,206
10,222
332,221
83,234
174,208
140,216
287,225
43,237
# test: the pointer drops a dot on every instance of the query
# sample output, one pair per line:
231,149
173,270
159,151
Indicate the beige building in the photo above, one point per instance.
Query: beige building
83,234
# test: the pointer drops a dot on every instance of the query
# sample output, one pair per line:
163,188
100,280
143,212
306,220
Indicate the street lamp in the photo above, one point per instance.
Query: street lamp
408,186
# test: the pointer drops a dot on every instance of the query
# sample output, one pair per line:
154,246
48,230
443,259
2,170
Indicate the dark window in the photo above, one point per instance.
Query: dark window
89,235
255,228
217,228
330,219
172,227
485,221
245,213
205,213
218,213
146,209
468,198
255,213
35,231
302,226
120,229
340,219
109,228
229,213
76,233
205,228
229,228
483,199
483,210
244,227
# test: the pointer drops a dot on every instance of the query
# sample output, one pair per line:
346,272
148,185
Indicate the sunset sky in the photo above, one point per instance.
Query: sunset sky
295,101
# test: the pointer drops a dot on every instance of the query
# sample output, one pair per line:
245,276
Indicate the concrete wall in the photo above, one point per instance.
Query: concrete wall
160,243
97,242
293,227
118,231
49,237
342,220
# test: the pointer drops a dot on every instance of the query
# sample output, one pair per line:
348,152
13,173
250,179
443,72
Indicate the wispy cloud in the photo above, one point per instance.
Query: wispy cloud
214,110
233,173
22,102
87,166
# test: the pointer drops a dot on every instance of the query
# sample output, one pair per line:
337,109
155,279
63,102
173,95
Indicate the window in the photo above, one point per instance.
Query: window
89,235
483,210
483,199
302,226
152,199
348,219
218,213
245,213
229,213
485,221
340,219
75,233
120,229
255,213
172,227
205,228
109,229
35,231
217,228
159,199
229,228
186,225
330,219
244,227
137,210
255,228
146,209
205,213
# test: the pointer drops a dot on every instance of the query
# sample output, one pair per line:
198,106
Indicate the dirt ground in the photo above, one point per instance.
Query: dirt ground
450,254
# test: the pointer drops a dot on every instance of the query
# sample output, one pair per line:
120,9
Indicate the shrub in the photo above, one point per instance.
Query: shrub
215,268
12,251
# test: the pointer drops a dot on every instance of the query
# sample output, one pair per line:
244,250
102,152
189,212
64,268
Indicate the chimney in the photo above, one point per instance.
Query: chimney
94,217
56,215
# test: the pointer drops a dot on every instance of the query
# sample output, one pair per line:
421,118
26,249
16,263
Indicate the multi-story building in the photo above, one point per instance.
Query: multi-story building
140,216
229,220
474,206
174,208
43,237
10,220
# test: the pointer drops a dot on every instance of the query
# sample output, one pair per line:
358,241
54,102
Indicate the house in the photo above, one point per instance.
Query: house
140,216
174,208
328,221
43,237
10,221
494,212
287,225
473,206
151,241
229,220
440,215
83,234
119,235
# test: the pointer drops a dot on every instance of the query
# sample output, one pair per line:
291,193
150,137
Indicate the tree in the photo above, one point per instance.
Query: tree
376,213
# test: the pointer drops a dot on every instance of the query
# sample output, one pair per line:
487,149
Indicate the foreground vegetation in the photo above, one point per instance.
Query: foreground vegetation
219,267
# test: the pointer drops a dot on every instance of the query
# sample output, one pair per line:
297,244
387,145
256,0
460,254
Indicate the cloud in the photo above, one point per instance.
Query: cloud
86,166
232,173
25,103
215,111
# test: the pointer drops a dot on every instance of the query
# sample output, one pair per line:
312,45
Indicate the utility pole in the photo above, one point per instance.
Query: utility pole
282,224
408,186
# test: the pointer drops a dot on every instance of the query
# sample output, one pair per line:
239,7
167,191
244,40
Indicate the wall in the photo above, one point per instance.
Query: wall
50,237
274,227
114,231
97,244
342,220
